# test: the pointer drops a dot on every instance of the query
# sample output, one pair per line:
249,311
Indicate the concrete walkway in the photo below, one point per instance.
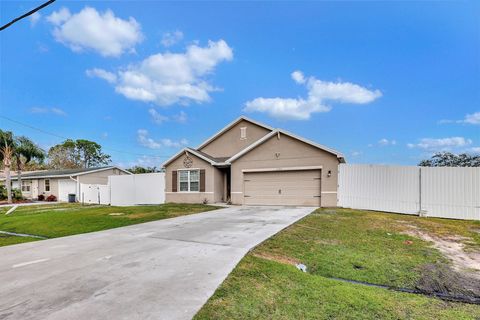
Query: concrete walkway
158,270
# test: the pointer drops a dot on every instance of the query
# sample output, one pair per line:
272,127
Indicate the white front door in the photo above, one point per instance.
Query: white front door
34,189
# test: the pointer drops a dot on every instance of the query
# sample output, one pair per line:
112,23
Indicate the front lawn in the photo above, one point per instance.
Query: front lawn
357,245
59,220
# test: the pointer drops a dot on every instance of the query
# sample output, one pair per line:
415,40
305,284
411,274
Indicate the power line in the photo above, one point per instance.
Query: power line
26,14
66,138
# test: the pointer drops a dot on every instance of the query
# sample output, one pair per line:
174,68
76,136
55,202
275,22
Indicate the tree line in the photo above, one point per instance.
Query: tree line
19,153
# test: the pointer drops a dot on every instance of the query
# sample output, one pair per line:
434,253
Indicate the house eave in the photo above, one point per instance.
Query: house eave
53,176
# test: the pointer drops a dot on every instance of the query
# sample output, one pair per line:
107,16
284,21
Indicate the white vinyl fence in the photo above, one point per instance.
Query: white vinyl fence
129,190
94,193
433,192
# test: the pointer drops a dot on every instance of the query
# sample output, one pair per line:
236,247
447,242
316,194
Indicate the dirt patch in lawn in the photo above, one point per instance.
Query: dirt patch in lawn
442,279
461,278
453,248
116,214
276,258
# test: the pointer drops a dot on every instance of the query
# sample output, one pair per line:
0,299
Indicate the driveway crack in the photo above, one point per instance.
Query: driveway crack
192,241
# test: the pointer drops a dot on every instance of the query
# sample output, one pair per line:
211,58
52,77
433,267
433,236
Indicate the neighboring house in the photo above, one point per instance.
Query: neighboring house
253,164
60,183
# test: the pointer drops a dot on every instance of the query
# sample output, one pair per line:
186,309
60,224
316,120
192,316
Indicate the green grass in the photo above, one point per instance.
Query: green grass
351,244
363,245
263,289
6,240
61,220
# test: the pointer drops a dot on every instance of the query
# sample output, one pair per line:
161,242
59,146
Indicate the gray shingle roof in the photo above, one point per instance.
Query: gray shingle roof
56,173
216,159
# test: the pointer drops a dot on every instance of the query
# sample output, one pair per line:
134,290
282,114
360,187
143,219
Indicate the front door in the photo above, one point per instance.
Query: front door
34,189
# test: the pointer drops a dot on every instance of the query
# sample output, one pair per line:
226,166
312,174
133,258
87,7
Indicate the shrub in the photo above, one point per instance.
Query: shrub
51,198
17,194
3,192
205,201
41,197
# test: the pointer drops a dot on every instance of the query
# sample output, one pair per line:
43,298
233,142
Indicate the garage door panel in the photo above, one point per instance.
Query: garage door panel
296,188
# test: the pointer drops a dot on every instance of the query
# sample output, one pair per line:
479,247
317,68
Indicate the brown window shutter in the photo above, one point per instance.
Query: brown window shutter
174,181
202,180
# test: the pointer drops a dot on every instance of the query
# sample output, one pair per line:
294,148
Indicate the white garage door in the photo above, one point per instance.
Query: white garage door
66,186
301,188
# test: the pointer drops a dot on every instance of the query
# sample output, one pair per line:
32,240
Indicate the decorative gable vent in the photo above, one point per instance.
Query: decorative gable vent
243,133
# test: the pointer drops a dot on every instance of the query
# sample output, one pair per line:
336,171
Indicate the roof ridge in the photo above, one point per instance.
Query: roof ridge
231,124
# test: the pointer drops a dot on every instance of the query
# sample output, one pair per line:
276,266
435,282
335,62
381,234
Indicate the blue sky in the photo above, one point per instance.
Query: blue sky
382,82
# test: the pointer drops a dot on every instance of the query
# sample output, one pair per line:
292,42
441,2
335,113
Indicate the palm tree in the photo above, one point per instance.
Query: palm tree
25,151
7,154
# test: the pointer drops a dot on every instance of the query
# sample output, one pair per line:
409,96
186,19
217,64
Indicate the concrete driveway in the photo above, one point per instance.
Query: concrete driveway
158,270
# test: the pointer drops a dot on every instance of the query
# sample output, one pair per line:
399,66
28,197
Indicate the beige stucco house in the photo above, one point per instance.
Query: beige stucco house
61,183
251,163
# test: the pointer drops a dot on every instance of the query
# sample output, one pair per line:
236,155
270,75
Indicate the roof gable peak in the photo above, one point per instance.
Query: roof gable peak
230,125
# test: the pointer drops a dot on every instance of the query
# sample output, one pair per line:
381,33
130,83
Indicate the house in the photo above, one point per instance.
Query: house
61,183
251,163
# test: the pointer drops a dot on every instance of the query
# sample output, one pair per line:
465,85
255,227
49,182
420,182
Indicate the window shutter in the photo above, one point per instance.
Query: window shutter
202,180
174,181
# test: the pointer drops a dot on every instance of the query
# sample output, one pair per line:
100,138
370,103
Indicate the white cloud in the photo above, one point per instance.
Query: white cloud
157,117
34,18
144,139
169,78
442,144
181,117
473,118
474,150
42,48
171,38
386,142
59,17
56,111
298,77
92,30
174,144
102,74
356,153
319,92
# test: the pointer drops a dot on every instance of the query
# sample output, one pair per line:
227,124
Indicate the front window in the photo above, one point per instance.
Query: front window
26,185
47,185
189,180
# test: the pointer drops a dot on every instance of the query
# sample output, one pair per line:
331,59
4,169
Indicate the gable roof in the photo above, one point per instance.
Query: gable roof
227,160
64,173
201,155
339,155
231,124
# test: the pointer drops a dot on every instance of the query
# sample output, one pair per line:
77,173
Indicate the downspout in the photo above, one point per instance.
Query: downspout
77,188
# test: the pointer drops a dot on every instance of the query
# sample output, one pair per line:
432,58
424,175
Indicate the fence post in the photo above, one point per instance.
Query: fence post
419,191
